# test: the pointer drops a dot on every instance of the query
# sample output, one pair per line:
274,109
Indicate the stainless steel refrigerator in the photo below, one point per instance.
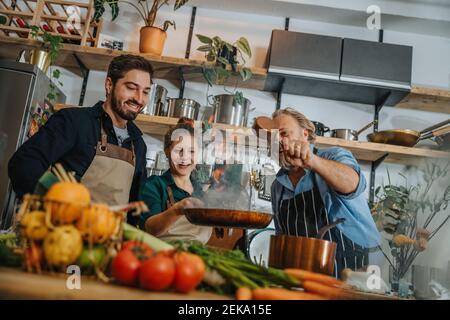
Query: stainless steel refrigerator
23,107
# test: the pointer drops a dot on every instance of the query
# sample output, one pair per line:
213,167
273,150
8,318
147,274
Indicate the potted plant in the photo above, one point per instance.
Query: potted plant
44,56
411,216
152,38
224,61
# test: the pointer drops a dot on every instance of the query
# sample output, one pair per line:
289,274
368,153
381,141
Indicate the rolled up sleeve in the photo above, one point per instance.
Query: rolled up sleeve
346,157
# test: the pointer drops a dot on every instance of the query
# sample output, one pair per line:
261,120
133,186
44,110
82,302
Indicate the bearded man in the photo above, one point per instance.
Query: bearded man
317,187
100,144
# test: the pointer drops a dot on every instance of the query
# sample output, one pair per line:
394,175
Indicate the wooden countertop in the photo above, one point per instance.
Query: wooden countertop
17,284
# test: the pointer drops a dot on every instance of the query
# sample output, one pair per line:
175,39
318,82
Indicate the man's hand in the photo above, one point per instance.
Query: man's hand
298,153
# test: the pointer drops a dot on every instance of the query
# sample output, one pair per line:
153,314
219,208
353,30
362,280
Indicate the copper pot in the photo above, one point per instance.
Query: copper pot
312,254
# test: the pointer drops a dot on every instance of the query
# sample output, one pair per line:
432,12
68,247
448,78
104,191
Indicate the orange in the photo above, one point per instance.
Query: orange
66,201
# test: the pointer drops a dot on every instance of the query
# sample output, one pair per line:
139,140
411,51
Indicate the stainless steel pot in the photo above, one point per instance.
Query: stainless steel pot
227,110
346,134
349,134
157,101
179,108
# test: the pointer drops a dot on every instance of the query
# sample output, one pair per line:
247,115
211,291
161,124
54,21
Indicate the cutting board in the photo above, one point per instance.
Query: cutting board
17,284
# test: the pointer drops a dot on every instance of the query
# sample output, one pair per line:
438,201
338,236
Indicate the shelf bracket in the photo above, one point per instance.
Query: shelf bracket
182,82
286,23
85,74
378,105
279,94
374,166
191,31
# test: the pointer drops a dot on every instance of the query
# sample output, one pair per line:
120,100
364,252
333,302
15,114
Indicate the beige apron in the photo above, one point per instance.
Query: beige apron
182,229
110,175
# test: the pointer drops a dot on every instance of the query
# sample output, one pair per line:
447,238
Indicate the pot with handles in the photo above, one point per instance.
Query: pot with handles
349,134
321,129
179,108
227,110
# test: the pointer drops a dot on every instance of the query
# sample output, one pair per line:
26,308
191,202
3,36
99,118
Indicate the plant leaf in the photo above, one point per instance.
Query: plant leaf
243,44
217,41
204,39
209,76
99,9
56,73
223,60
114,9
179,3
205,48
246,74
169,23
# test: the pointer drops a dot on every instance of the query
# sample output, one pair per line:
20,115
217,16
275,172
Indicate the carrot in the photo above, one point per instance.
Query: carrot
327,291
304,275
283,294
243,293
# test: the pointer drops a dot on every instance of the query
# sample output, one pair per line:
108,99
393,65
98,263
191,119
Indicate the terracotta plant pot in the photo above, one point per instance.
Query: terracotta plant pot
152,40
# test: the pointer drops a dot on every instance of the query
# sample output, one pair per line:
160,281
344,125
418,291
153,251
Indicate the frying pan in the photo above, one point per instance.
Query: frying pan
406,137
228,218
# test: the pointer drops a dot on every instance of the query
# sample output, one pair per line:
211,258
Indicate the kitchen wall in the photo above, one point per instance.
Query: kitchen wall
431,68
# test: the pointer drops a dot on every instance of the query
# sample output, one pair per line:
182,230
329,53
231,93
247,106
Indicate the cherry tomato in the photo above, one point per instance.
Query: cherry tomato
157,273
189,271
125,267
139,248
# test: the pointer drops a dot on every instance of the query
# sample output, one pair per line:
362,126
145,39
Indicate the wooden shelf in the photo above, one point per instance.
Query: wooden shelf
368,151
425,99
99,58
365,151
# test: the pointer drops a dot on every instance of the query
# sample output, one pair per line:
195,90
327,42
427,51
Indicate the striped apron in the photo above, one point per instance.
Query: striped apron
304,214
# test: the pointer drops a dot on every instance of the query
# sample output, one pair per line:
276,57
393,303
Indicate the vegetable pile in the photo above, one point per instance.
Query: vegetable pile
63,228
229,270
152,264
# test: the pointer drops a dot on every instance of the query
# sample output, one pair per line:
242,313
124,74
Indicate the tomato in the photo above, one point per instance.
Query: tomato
189,271
157,273
125,267
141,249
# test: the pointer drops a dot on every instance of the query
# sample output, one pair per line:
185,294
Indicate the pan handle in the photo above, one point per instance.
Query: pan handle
435,133
438,125
324,229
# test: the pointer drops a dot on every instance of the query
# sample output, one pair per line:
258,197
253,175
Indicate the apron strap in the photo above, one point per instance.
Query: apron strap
103,138
171,200
104,141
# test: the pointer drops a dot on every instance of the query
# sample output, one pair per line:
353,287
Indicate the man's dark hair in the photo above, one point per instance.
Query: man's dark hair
127,62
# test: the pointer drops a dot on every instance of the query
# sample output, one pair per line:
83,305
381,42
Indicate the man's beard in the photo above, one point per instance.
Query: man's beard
118,108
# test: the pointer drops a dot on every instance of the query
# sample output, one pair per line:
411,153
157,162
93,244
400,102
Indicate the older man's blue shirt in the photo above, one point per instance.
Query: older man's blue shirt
359,225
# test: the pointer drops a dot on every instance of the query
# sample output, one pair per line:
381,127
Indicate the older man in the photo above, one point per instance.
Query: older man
316,187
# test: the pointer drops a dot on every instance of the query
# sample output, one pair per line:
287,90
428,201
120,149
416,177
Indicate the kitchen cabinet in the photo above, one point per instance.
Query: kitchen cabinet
304,54
378,64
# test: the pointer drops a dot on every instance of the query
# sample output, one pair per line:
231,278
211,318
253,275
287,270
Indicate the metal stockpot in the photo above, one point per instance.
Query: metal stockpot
179,108
157,102
227,110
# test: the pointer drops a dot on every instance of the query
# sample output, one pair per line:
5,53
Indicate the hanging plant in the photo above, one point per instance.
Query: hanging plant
52,44
226,60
